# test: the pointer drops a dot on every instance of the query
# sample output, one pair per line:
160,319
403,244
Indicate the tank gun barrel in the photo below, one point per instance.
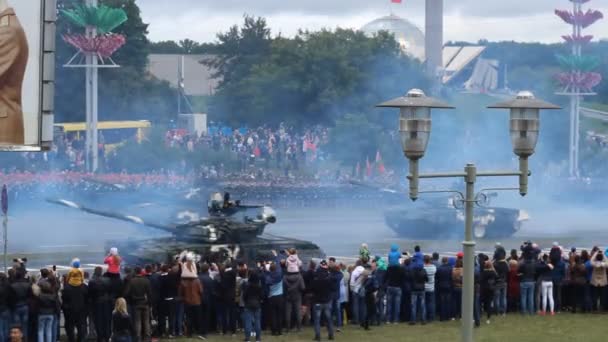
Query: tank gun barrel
126,218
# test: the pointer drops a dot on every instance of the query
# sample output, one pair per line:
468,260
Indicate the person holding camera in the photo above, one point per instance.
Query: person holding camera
598,281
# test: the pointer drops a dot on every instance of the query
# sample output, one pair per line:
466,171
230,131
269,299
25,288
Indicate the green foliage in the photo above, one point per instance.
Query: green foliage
103,18
315,77
186,47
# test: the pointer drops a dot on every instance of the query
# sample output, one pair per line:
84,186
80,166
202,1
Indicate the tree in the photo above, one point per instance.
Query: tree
188,45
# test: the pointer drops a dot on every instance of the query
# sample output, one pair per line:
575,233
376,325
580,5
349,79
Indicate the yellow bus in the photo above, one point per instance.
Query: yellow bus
111,133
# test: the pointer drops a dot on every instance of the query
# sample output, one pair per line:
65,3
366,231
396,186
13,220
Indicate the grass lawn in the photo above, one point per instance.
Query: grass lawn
562,327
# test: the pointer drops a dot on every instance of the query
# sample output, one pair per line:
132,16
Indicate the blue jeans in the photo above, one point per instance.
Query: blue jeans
380,307
527,297
252,321
445,304
5,323
393,304
418,296
457,302
430,304
359,309
125,338
324,308
20,316
336,309
500,300
178,324
354,308
476,309
45,328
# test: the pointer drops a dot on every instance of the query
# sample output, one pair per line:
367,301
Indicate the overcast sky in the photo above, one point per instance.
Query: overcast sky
469,20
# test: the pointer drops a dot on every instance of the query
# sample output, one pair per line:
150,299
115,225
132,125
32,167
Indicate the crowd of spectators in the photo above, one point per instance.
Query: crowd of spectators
190,297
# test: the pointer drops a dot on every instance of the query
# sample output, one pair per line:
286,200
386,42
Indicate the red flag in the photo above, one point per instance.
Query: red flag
379,163
396,1
368,167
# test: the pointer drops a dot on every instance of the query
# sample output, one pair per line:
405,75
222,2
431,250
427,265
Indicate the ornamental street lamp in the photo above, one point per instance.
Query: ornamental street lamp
415,129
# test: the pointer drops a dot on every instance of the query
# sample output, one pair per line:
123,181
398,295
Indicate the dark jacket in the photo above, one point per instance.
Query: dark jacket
407,280
527,271
22,291
559,272
122,325
336,280
48,304
169,283
74,299
139,291
100,289
488,280
252,295
208,287
544,272
321,286
419,278
294,286
6,293
578,274
443,278
227,287
395,276
502,272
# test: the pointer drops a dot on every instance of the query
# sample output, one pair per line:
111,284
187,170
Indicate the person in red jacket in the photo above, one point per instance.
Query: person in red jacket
513,286
113,261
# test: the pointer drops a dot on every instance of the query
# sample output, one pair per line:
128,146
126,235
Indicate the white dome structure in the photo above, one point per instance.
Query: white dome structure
409,37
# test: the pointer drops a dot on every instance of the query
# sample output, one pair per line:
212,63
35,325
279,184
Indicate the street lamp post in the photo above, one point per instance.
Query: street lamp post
415,129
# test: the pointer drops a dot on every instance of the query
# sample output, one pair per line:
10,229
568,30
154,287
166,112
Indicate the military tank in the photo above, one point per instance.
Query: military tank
441,217
231,230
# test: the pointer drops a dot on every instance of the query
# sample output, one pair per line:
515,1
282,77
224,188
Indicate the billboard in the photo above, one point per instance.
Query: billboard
26,74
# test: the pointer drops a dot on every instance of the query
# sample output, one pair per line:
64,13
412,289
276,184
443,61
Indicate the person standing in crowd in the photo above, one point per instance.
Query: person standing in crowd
546,282
226,306
513,287
48,308
322,286
598,281
502,272
274,282
336,280
16,333
357,304
429,287
578,280
252,315
457,276
294,289
207,300
443,278
406,289
122,326
558,275
370,288
139,293
487,288
190,290
395,277
21,292
75,298
5,311
419,280
113,260
527,274
99,294
169,282
379,270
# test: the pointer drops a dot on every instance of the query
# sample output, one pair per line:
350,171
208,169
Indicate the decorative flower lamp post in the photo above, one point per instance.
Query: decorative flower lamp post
415,129
95,48
577,78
